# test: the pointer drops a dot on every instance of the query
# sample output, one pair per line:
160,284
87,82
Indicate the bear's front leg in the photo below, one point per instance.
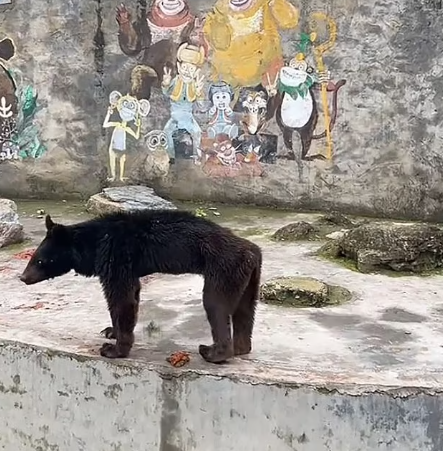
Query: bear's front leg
123,307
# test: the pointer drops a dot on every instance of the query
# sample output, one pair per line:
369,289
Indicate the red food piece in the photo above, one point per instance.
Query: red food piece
25,255
179,358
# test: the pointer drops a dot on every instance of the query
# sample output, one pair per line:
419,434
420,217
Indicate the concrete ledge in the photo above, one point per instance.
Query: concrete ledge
53,401
365,376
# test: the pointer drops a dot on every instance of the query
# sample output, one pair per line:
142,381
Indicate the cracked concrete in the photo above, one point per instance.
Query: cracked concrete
363,376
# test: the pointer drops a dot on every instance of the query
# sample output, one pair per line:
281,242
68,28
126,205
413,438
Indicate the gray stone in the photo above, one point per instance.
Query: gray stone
11,230
127,198
337,234
302,292
335,219
297,231
393,246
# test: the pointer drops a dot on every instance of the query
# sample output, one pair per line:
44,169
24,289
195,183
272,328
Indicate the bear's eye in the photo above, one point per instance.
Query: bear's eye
39,262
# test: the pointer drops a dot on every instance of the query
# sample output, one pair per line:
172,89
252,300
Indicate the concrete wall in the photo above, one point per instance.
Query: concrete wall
383,155
51,402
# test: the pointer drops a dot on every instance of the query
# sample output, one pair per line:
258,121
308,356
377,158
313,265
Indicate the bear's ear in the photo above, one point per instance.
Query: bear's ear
49,223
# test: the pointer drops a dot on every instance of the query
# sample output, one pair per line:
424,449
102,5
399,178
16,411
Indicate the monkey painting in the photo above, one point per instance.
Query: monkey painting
154,37
130,110
297,110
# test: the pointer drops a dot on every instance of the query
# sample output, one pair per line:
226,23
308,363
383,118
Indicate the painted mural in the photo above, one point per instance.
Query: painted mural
183,90
233,89
19,136
124,116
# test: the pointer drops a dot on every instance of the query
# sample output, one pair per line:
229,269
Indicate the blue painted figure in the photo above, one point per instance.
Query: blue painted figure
222,116
183,91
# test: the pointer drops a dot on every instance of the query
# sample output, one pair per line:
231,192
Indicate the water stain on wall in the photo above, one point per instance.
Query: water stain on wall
19,136
230,82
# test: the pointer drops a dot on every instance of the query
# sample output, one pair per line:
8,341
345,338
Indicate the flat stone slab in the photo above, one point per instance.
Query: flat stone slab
302,292
386,336
127,198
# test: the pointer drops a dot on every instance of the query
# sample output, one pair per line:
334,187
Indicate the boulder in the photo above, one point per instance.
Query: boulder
302,292
127,198
11,230
336,219
393,246
297,231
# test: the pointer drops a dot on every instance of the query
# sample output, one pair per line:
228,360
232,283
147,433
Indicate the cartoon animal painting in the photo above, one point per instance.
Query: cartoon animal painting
226,159
262,146
256,108
156,164
19,136
183,90
129,111
222,120
154,37
297,110
245,38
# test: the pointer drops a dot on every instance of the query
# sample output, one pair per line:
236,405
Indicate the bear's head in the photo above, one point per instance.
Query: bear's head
52,258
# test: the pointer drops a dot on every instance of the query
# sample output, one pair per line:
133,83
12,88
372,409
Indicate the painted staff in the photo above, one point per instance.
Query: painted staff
319,50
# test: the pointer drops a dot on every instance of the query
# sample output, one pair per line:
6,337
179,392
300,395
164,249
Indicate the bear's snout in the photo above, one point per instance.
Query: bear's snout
28,278
24,279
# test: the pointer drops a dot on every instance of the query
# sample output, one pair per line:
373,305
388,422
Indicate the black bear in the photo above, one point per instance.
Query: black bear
120,248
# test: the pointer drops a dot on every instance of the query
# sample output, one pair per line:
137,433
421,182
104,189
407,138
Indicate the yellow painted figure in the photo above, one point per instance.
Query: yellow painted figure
245,39
130,110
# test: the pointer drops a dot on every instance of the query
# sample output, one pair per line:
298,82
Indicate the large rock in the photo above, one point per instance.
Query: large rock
302,292
335,219
296,231
392,246
11,230
127,198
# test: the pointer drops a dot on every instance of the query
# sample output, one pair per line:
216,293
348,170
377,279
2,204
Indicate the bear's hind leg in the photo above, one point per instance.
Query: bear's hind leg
243,317
123,307
217,307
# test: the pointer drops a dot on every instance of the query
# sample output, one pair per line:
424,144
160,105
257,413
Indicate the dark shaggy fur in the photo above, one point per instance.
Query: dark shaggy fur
120,248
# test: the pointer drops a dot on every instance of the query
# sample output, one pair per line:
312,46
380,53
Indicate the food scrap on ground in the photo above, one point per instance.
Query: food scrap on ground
5,269
179,358
25,255
37,306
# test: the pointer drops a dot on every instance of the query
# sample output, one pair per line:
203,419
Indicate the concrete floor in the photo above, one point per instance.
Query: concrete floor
391,334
